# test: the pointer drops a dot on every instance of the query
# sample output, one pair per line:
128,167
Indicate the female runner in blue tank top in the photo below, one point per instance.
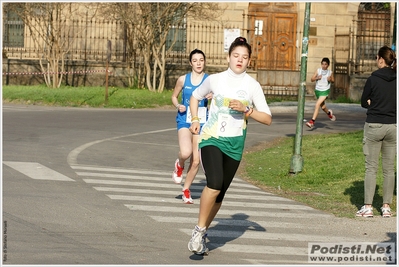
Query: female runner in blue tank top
188,142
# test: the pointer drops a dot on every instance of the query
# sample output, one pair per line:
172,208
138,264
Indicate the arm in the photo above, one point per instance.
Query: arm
198,94
315,77
260,116
195,125
176,92
365,100
262,112
331,78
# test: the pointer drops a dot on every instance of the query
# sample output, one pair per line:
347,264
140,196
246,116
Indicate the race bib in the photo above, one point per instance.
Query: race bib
230,125
201,114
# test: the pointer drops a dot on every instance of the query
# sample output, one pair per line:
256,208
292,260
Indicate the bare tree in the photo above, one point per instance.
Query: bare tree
50,27
130,15
148,26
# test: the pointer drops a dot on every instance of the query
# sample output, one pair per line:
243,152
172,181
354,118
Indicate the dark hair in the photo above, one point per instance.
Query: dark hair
388,55
326,59
240,41
196,51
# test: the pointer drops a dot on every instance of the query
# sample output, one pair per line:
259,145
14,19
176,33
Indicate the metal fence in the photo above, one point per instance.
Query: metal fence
372,30
88,41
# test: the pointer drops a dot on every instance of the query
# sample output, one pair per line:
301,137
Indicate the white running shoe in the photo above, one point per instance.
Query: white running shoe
386,212
331,115
187,197
177,174
365,212
197,241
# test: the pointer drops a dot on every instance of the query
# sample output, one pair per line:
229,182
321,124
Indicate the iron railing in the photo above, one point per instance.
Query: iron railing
87,41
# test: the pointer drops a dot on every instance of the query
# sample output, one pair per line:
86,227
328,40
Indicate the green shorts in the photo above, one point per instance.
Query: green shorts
321,93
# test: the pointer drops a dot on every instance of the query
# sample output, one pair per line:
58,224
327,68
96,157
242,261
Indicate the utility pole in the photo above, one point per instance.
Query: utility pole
297,160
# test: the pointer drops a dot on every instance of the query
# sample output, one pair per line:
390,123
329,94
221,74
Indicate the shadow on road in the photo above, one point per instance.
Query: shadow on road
228,229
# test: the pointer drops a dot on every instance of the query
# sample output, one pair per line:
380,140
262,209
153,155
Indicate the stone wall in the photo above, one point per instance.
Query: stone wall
356,86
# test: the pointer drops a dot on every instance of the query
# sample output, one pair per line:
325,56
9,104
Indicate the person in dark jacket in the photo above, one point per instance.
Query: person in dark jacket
379,98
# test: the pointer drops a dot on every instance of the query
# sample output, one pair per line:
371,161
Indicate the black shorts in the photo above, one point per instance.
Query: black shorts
219,169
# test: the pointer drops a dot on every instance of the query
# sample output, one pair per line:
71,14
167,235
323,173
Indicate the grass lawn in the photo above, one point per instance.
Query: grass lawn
86,96
331,179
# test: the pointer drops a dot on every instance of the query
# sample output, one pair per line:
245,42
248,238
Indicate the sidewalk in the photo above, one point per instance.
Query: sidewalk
287,107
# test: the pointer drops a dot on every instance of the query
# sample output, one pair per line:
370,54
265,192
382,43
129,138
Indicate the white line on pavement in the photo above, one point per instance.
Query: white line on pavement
37,171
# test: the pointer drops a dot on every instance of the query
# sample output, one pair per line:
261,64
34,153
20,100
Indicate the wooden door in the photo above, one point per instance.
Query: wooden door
340,65
273,39
260,40
283,41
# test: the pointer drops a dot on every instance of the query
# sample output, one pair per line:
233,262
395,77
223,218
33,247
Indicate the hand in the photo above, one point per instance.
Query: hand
195,127
209,96
181,108
236,105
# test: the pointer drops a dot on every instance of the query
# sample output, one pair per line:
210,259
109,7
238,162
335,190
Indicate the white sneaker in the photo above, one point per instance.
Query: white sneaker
187,197
386,212
365,212
177,174
331,115
197,241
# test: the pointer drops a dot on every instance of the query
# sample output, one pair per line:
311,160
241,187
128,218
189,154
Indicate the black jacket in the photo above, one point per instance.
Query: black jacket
380,88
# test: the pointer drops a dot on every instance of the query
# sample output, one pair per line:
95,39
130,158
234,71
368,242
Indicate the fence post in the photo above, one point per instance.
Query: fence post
106,70
297,160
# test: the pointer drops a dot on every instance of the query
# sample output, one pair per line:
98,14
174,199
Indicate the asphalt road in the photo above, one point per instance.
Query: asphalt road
93,186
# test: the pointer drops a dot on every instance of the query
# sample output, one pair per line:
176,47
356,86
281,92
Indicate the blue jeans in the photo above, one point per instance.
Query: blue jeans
379,139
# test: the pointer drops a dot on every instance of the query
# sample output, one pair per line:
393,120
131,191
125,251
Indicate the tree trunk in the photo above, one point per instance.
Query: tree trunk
148,72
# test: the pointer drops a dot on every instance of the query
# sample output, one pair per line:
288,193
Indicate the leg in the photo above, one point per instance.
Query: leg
186,149
319,103
388,152
219,170
211,159
230,167
323,106
194,163
212,163
185,145
371,149
208,206
329,112
213,213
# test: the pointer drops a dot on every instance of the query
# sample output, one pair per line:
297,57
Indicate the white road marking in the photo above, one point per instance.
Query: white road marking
170,185
272,214
37,171
261,220
168,199
72,158
239,223
163,179
264,235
